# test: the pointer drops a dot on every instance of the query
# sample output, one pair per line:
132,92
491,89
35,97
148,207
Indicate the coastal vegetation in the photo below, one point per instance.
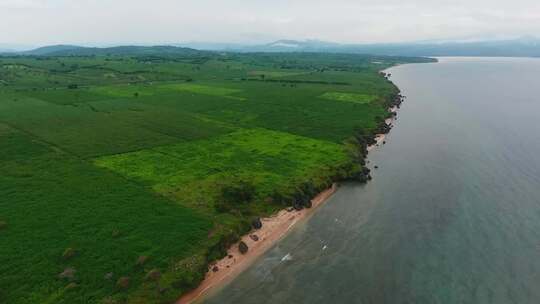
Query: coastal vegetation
122,175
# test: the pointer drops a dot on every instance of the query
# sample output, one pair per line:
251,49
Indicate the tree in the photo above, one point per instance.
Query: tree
236,194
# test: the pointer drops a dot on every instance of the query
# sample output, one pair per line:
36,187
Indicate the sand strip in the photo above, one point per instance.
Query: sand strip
380,138
274,228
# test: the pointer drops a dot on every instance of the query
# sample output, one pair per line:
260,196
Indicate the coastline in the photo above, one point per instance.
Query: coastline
381,137
274,228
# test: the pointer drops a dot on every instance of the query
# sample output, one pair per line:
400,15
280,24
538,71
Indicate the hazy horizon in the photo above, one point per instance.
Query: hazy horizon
102,23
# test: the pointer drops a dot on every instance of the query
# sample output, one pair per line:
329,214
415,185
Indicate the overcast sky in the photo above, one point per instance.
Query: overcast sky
40,22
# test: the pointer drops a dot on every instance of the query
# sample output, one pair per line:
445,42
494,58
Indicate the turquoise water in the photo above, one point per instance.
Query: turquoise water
453,212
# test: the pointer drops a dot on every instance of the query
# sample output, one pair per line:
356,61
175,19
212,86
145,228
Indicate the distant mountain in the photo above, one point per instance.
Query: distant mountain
73,50
296,46
522,47
48,50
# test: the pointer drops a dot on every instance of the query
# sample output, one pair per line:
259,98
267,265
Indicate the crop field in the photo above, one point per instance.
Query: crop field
193,172
122,177
349,97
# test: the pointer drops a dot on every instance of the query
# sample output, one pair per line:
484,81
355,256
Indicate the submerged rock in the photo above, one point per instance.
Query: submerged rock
254,237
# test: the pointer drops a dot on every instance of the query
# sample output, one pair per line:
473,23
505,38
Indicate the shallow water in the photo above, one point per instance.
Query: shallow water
453,212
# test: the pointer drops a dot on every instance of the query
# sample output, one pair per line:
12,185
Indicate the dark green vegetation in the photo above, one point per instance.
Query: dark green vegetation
121,176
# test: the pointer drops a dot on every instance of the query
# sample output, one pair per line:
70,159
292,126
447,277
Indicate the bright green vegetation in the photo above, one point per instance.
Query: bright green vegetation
271,160
275,74
108,158
349,97
201,89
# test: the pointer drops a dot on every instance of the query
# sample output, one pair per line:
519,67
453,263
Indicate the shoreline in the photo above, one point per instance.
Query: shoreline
381,137
274,228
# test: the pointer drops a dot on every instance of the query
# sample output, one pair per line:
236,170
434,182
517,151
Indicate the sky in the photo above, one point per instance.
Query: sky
105,22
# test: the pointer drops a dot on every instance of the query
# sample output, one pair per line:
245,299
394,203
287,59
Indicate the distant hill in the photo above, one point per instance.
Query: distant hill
522,47
46,50
73,50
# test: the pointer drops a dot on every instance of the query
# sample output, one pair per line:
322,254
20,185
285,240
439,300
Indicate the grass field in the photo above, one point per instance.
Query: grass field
349,97
122,177
193,172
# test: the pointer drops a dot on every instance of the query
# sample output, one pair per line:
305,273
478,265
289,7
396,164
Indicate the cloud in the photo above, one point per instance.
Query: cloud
167,21
22,4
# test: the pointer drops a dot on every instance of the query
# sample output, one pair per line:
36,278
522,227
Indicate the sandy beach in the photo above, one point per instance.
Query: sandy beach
380,138
274,228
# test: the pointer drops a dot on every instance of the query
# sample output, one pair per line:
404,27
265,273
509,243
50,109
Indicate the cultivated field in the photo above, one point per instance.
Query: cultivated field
122,177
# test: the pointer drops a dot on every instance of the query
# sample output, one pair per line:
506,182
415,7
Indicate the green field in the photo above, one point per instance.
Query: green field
193,172
118,166
349,97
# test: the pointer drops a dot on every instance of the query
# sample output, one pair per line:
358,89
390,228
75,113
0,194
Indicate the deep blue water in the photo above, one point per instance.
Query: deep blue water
453,212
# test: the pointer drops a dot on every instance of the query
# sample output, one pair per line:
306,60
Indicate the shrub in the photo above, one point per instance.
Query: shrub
122,283
235,195
69,253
